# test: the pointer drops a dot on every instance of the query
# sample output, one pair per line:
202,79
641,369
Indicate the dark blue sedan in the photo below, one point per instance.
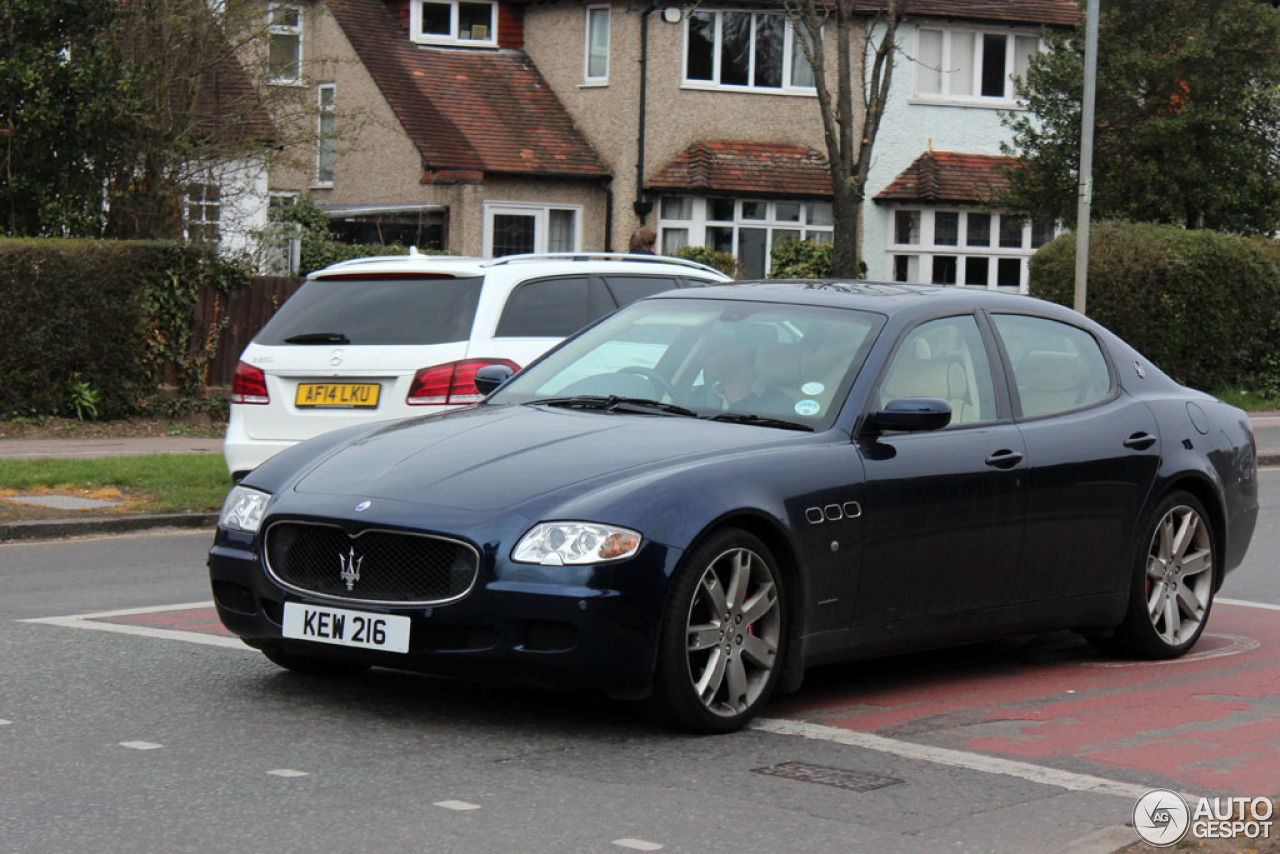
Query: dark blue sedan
709,491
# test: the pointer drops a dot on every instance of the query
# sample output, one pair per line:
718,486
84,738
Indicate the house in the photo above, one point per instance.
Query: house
938,160
491,127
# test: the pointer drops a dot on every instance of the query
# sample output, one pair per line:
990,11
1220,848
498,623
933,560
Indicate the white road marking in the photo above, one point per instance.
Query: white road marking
141,745
89,621
1266,606
289,772
954,758
3,722
460,806
637,844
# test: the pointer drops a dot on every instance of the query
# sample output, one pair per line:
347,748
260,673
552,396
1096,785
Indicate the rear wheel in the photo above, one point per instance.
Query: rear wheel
309,666
1172,585
721,647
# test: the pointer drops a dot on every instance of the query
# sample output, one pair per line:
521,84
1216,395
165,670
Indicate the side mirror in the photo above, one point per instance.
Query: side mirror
490,377
911,414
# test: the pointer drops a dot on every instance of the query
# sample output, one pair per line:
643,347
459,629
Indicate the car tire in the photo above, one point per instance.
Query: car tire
722,640
308,666
1172,586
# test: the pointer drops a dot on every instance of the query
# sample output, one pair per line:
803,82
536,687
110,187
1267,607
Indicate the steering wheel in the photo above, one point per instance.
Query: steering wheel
655,379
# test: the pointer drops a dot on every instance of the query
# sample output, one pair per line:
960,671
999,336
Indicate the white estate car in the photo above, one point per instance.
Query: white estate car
388,337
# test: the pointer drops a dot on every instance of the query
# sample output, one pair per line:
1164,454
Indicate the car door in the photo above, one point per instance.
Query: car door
944,509
1092,456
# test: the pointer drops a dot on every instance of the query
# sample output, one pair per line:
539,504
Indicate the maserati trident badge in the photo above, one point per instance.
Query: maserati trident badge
350,568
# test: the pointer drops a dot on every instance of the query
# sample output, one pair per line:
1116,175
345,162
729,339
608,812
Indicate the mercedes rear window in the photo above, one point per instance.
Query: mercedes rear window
376,311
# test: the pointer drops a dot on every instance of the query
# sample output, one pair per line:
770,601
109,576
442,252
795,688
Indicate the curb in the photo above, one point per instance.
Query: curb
60,528
1269,458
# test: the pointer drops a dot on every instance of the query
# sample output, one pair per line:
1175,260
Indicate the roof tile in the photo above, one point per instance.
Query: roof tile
758,168
947,176
465,109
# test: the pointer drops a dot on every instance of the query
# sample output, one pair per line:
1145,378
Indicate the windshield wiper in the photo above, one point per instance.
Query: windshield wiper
759,421
613,403
318,338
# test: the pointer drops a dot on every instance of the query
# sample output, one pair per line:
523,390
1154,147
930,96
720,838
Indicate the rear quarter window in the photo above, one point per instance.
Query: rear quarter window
378,311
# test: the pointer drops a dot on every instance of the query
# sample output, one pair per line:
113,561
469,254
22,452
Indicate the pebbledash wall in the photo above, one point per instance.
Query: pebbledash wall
677,116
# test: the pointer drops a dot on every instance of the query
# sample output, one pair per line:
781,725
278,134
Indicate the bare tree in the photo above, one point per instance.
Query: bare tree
863,90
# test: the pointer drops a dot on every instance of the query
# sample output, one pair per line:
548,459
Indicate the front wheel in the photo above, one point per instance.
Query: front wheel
1172,585
722,639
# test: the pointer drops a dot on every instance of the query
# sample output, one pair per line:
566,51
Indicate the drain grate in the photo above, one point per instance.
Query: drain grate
855,781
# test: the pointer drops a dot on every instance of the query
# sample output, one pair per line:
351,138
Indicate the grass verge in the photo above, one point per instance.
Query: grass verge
163,483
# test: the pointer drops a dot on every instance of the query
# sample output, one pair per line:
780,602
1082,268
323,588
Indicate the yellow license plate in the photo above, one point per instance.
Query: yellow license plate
337,394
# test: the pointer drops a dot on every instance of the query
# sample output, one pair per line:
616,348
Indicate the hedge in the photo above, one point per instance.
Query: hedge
1203,306
103,316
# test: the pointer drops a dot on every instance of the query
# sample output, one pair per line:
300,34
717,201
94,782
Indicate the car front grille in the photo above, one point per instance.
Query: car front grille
393,567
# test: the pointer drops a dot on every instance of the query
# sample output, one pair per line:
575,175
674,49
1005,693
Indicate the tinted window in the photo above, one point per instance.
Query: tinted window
628,289
944,359
378,311
549,308
1056,366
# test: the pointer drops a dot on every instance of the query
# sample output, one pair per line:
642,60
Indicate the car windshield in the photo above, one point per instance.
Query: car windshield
770,364
376,311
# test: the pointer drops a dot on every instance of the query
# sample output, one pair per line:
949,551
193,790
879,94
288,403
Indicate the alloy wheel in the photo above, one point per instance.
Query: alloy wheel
1179,581
733,632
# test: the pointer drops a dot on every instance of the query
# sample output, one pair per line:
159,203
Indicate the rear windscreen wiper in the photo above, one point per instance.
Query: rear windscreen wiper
318,338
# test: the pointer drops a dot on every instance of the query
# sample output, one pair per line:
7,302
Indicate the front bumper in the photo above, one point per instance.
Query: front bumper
591,626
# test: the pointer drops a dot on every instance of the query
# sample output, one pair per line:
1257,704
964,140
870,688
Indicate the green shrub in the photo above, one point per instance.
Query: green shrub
1201,305
722,261
106,317
802,259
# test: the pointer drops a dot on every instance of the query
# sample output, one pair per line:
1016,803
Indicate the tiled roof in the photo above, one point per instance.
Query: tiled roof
228,105
467,110
758,168
945,176
1062,13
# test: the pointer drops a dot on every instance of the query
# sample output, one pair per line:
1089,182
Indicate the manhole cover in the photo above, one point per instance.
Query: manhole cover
857,781
62,502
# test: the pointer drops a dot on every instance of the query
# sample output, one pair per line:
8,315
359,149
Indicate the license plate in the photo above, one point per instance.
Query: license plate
346,628
337,394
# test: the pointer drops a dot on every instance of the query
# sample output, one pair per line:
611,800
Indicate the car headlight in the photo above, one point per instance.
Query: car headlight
575,543
243,509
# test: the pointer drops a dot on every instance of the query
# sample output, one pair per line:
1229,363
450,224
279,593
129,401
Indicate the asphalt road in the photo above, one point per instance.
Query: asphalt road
135,742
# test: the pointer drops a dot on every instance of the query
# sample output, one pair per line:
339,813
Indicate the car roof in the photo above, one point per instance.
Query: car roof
532,264
880,297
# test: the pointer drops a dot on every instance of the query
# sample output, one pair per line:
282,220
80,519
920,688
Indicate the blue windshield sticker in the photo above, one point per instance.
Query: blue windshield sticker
808,407
813,388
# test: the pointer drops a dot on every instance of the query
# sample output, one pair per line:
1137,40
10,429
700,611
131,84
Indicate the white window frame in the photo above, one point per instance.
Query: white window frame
541,214
415,24
698,223
1009,100
789,46
204,206
326,111
276,29
599,79
919,255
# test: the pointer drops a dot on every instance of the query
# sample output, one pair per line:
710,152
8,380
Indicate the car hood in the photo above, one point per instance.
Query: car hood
497,457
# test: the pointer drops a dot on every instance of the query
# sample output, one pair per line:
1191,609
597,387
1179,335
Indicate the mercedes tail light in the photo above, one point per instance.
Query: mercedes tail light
250,385
450,384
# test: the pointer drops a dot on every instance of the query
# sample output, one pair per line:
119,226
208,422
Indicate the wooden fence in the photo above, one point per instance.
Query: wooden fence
246,310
